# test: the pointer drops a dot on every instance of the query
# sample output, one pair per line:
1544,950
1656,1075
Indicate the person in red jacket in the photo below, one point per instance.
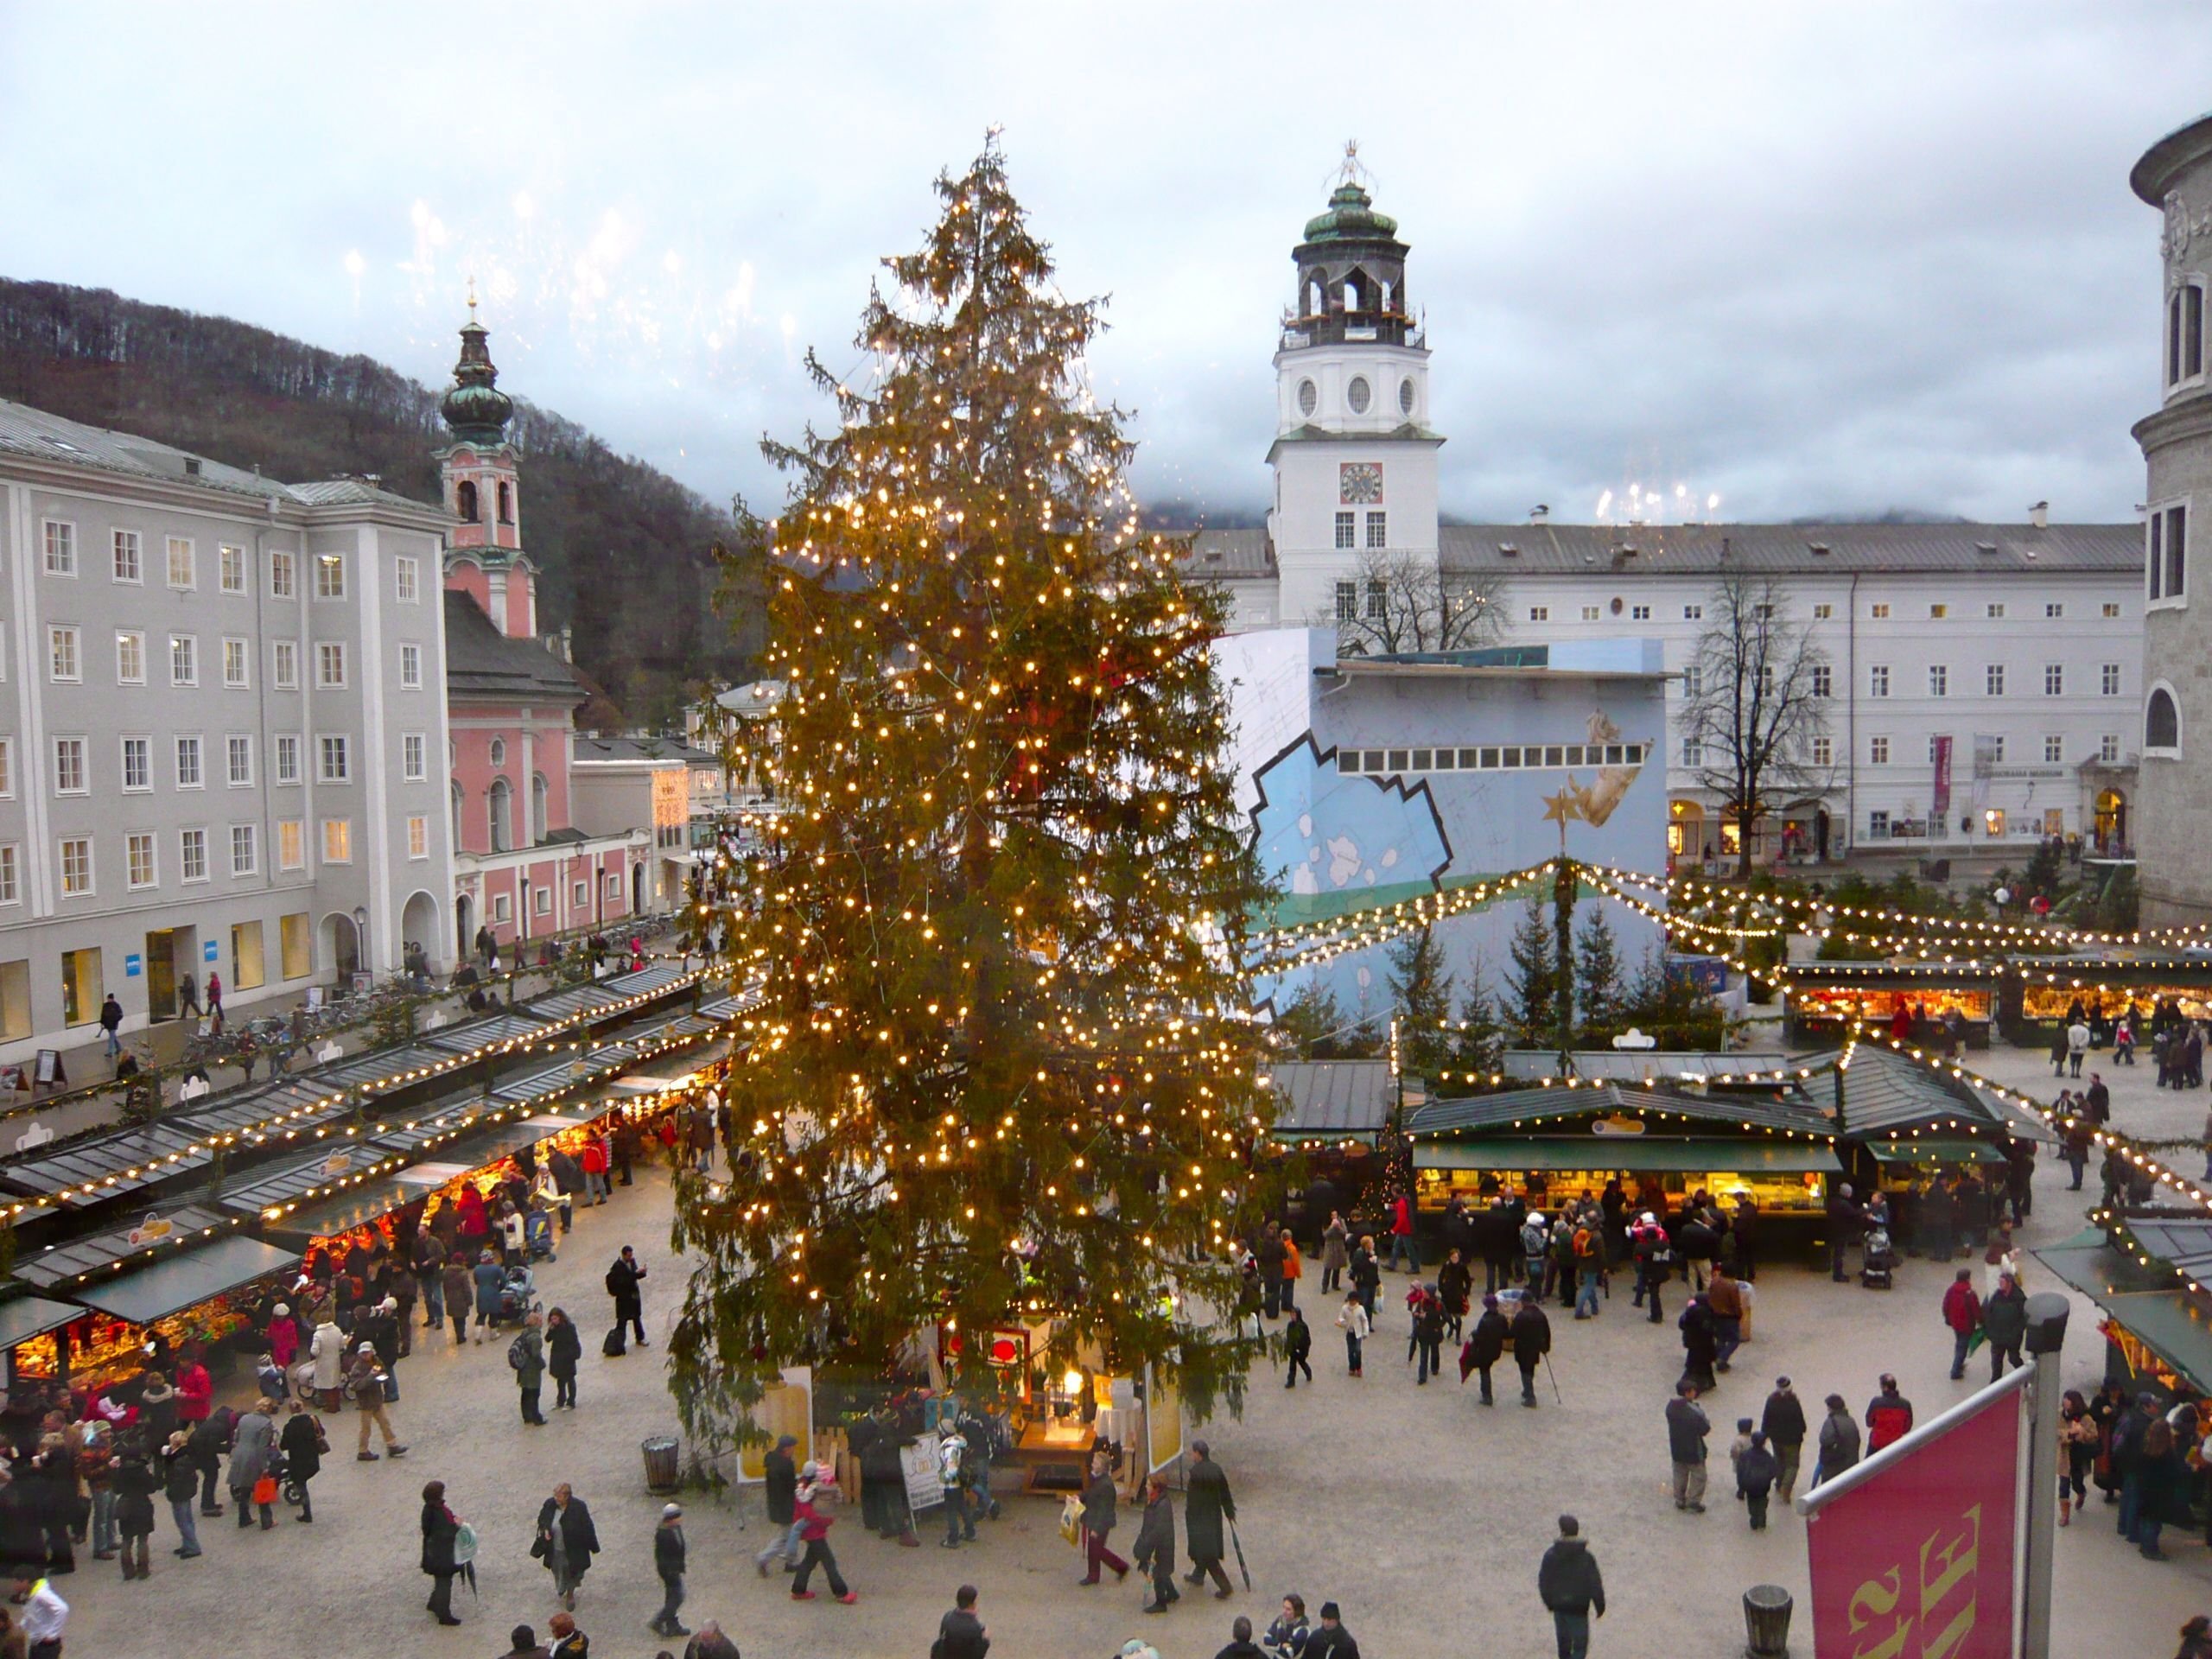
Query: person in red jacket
810,1509
594,1166
195,1392
1962,1313
1401,1234
1888,1416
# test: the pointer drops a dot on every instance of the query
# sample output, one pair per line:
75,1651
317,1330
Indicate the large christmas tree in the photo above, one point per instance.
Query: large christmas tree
1003,1073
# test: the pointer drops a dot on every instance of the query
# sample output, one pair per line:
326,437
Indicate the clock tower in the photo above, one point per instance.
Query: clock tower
1355,463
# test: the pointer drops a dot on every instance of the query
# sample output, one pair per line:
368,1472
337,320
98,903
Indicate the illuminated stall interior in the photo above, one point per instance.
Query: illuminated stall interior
2109,986
2145,1273
1825,997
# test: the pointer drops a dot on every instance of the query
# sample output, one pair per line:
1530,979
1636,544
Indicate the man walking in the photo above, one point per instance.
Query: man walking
1783,1422
1839,1441
1099,1518
1889,1416
623,1279
44,1615
1297,1348
2005,1318
1206,1506
2077,1045
527,1355
949,1450
1687,1427
1571,1588
364,1380
1755,1473
1532,1340
960,1633
1402,1247
668,1563
779,1490
1724,1300
111,1024
1155,1548
1962,1313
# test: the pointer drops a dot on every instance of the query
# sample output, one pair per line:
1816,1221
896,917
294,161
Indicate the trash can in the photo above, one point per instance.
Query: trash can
1766,1619
661,1475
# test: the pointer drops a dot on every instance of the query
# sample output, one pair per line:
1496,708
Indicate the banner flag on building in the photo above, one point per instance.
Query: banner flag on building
1940,801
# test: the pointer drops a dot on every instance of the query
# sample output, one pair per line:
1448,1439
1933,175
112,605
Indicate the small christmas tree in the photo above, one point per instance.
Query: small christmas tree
1421,1002
1531,978
1598,988
1003,1074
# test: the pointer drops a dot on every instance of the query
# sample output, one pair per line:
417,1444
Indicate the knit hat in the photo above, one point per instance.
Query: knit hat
366,1347
282,1311
1329,1610
670,1511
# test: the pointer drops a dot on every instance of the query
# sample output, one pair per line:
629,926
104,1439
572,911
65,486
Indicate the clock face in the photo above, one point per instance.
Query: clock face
1359,483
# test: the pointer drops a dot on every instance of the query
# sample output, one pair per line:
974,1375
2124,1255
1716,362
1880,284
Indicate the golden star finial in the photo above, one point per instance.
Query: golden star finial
472,298
1560,808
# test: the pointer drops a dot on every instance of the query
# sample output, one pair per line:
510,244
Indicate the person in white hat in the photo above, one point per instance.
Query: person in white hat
669,1553
365,1381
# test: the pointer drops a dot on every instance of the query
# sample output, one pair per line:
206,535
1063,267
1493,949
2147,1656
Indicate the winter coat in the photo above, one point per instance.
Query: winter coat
439,1531
1487,1343
302,1459
1783,1421
1297,1340
453,1280
1206,1503
1335,1257
1699,1344
579,1538
1889,1416
1156,1537
1532,1335
283,1342
2005,1315
563,1347
1098,1505
960,1635
1366,1272
1839,1444
1757,1470
622,1285
1568,1580
532,1372
1687,1427
1961,1307
669,1552
814,1519
256,1436
329,1349
566,1175
488,1277
195,1393
779,1481
133,1485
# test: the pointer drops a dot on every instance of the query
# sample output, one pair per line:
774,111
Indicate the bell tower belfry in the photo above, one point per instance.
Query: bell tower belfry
1355,462
482,474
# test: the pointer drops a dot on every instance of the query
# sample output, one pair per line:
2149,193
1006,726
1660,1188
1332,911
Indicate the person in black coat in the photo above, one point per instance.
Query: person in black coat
301,1442
563,1348
1699,1348
1155,1548
779,1491
439,1530
566,1541
1485,1345
134,1482
180,1482
623,1282
669,1556
1206,1504
1297,1348
1532,1340
1099,1518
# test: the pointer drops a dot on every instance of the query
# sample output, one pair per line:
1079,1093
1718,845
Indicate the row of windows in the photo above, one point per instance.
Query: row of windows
65,661
1378,530
72,771
1993,682
180,565
1880,750
76,863
1938,610
1384,763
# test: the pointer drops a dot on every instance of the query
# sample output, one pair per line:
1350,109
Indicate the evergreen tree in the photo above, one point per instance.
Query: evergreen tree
1001,1074
1313,1022
1532,1005
1477,1039
1599,991
1420,996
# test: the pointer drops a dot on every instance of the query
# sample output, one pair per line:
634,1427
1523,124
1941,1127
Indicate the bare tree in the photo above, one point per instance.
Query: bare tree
1398,601
1755,699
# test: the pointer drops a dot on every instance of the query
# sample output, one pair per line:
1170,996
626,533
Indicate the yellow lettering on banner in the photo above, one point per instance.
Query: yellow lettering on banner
1955,1563
1878,1599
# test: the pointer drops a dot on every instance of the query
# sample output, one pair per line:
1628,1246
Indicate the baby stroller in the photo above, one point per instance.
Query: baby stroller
538,1235
516,1289
1874,1272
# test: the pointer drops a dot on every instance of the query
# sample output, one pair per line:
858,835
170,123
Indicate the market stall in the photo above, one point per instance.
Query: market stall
27,1319
202,1294
2052,989
1897,1121
2157,1323
1825,998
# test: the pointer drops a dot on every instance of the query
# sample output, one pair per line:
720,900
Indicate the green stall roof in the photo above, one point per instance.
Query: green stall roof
2144,1300
185,1278
1935,1149
1661,1154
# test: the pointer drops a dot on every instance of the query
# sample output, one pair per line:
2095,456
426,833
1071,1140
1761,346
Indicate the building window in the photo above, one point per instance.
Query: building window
2054,750
1878,751
1823,752
239,755
499,751
336,767
541,900
541,807
614,887
455,807
61,654
1878,826
11,886
2112,608
284,576
411,668
188,763
1539,612
1639,613
1693,751
2167,563
287,665
245,855
579,894
69,766
1992,822
129,557
2162,723
329,665
291,844
183,564
503,906
1378,530
1345,530
2054,611
7,768
1694,681
338,841
130,658
500,799
1823,680
1992,679
1878,680
1939,680
1996,751
1347,601
1995,610
1933,740
418,836
137,763
1379,600
1693,612
192,855
60,548
76,865
184,659
1937,612
2108,680
233,561
234,665
330,575
411,762
288,758
1589,612
464,499
2108,748
407,577
1879,612
2184,333
138,858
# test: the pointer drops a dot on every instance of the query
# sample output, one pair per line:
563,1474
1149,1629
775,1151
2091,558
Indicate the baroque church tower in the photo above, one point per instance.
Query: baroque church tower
483,487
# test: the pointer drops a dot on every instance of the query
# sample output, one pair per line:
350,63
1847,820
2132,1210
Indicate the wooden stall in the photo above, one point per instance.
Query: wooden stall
1825,998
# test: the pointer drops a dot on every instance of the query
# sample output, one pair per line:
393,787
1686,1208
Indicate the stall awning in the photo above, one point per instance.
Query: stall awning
33,1316
78,1259
372,1200
2145,1300
1935,1149
183,1281
1658,1154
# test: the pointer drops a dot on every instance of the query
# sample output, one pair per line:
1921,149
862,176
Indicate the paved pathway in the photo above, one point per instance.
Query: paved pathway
1423,1514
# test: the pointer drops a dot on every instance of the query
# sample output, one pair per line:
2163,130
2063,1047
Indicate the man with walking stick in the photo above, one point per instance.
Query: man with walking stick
1532,1341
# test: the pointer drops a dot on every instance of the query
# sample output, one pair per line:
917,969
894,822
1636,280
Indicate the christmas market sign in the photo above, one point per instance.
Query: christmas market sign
1617,1125
152,1230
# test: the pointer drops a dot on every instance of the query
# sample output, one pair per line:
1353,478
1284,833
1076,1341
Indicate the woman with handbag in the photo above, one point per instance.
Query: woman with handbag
566,1541
303,1443
441,1530
253,1443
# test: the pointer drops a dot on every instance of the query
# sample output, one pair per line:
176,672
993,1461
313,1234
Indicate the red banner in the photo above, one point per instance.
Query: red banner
1940,804
1917,1562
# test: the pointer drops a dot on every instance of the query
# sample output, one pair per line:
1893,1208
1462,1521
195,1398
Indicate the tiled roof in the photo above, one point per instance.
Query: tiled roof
1791,549
1228,553
482,662
1333,1097
1527,1107
642,748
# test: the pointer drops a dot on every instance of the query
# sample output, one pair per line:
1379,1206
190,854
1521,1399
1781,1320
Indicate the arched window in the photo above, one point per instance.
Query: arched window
541,797
502,801
459,801
464,498
506,504
1352,294
498,751
2162,723
1314,303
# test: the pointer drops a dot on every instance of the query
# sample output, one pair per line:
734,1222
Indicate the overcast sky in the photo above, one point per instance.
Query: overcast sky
1810,258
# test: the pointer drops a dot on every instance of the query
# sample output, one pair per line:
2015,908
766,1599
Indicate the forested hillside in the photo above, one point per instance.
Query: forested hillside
625,551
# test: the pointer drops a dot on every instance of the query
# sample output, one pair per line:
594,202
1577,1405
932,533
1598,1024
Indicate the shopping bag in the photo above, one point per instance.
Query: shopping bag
1975,1338
1072,1521
265,1490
